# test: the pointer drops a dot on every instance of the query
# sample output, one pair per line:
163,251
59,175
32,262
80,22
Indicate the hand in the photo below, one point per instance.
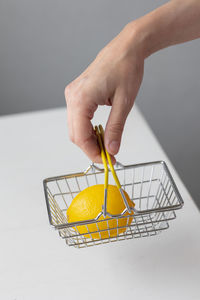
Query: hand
113,79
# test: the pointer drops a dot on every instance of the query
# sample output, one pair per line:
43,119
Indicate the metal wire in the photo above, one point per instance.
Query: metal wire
150,186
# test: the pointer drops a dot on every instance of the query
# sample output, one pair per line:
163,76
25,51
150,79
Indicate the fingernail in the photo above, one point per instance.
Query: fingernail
113,146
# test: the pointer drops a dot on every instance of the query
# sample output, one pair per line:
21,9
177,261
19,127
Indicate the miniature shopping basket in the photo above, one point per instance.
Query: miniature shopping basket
149,185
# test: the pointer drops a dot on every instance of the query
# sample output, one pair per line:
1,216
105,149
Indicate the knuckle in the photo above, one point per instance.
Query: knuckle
76,98
116,128
67,92
81,142
76,93
72,93
128,102
67,89
76,140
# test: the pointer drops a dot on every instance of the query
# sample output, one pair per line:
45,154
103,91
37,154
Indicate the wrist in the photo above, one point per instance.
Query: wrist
167,25
139,38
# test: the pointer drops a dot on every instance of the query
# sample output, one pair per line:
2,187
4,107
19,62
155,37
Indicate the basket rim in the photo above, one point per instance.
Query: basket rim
144,212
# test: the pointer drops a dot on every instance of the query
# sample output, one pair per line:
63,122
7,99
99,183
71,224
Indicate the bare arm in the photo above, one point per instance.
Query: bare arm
114,77
176,22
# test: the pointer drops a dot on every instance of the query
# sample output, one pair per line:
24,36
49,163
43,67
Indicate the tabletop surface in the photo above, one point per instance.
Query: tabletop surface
35,263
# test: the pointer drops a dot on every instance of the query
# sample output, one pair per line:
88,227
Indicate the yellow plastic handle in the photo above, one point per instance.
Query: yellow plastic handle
109,159
103,156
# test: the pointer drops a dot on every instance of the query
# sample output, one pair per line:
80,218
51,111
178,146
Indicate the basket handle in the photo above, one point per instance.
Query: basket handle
106,158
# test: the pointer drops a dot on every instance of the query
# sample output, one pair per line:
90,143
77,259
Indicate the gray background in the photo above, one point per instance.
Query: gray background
45,44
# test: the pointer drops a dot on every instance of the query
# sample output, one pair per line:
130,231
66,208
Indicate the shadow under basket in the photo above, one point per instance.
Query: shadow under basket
149,185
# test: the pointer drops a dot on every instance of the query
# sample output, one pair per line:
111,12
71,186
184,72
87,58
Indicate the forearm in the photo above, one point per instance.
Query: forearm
176,22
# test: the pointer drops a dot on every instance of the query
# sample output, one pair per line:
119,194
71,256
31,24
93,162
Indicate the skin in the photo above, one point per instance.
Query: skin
115,75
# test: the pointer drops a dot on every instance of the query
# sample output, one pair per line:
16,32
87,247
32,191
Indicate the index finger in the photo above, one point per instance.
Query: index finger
82,133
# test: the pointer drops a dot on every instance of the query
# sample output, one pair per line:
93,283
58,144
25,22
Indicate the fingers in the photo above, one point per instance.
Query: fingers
81,132
121,107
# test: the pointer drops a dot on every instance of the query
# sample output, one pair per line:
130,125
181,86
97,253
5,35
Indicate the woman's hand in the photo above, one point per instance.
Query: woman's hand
113,79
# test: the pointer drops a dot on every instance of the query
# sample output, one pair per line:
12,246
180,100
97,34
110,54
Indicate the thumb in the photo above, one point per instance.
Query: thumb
120,109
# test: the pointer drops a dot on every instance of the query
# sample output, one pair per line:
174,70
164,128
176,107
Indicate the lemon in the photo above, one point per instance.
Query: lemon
88,204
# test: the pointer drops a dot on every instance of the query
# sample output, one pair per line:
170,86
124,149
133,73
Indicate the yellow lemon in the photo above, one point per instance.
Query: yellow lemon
88,204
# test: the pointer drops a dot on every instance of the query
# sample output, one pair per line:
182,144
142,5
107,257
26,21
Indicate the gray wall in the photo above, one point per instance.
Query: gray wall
45,44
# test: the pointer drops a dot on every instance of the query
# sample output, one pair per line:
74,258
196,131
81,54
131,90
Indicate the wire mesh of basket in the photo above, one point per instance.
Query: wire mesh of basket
149,185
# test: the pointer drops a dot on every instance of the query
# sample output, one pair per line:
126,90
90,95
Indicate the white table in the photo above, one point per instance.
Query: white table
35,263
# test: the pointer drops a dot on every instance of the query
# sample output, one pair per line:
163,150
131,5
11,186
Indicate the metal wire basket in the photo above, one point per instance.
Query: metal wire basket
149,185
